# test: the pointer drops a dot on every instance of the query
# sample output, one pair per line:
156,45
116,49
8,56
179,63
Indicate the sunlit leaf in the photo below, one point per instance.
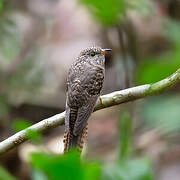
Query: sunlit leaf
68,166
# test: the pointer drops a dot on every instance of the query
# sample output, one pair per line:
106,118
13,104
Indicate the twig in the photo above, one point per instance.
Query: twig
105,101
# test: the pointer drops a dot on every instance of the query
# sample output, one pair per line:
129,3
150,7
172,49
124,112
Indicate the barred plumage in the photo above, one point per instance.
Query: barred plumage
84,83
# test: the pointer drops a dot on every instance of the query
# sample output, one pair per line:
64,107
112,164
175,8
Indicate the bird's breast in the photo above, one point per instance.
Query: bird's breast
84,83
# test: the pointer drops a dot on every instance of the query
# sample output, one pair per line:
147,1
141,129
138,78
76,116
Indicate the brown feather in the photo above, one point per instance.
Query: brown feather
84,83
80,140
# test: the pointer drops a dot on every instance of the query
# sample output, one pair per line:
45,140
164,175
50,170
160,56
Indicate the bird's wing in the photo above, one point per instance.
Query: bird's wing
83,115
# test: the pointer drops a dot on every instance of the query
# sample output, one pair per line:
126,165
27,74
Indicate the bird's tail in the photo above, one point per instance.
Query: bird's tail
75,142
70,140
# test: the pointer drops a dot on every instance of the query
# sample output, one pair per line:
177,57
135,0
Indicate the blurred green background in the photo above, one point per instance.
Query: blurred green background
39,39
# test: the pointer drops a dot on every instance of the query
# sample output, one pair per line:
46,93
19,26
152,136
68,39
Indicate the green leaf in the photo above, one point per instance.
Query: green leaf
20,124
156,68
68,166
4,174
1,4
34,136
91,171
105,11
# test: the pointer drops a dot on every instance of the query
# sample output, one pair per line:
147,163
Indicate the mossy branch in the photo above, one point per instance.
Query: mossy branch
104,101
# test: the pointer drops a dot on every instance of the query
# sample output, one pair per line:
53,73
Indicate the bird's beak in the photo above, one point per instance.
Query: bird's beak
105,51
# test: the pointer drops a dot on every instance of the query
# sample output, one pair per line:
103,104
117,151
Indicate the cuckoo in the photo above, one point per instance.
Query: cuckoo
84,84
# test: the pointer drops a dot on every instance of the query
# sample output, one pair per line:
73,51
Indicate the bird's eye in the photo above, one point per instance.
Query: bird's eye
92,54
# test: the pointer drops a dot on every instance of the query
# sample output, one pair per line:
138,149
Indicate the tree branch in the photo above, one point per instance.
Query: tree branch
104,101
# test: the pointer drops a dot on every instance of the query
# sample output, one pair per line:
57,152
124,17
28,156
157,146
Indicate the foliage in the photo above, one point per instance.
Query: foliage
1,5
127,167
68,166
20,124
134,169
27,77
71,166
157,112
105,11
110,13
163,113
157,68
4,174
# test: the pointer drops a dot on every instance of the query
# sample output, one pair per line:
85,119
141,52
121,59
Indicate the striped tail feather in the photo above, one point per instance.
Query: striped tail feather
70,140
75,142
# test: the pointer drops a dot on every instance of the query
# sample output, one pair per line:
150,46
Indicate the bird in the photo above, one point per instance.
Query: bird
84,83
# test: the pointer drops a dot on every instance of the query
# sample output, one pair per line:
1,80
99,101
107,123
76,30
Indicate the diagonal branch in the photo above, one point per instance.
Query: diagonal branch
104,101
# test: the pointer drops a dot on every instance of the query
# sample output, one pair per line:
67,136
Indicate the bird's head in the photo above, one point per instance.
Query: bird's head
94,55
